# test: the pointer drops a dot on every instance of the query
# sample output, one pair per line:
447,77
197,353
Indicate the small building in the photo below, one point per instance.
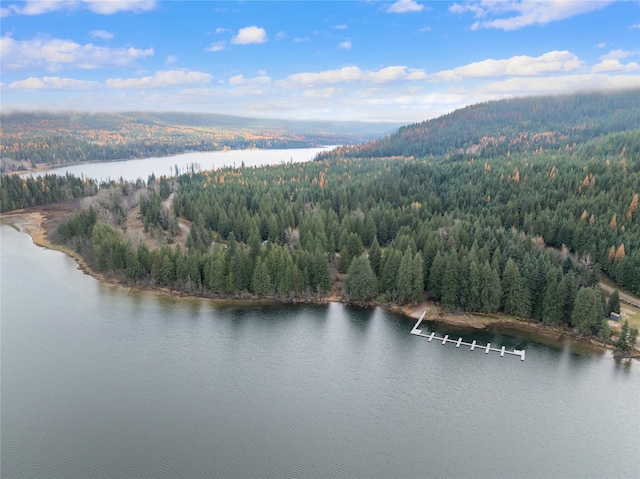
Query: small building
615,316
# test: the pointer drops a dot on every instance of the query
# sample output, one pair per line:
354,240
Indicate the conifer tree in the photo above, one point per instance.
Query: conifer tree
613,305
375,255
475,287
587,311
491,292
361,283
434,285
450,283
552,303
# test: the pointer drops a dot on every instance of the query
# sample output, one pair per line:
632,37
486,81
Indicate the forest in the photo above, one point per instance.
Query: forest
30,139
525,231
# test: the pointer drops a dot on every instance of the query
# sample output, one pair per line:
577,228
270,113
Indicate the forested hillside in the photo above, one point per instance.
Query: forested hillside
28,139
526,232
517,125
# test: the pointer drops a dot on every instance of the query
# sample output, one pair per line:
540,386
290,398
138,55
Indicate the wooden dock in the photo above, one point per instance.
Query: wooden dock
418,332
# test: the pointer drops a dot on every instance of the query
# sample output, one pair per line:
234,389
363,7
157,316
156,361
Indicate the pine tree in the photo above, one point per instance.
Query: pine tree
623,338
434,285
511,281
404,280
389,269
613,305
475,287
361,283
375,255
552,303
418,277
450,283
587,311
491,292
463,283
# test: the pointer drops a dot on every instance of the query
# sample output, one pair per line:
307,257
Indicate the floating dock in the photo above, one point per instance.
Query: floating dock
418,332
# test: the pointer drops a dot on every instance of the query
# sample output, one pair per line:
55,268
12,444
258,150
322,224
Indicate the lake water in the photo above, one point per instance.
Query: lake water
98,381
133,169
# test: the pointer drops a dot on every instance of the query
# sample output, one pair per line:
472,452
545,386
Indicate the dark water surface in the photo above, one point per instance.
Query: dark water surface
101,382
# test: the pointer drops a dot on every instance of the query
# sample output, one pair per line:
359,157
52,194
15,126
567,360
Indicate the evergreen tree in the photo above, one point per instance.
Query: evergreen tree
375,256
418,277
450,283
390,266
511,288
464,286
491,292
553,303
405,281
623,338
361,283
434,286
475,287
587,311
613,305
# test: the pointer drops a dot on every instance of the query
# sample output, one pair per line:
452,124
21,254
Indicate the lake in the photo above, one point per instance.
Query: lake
99,381
131,170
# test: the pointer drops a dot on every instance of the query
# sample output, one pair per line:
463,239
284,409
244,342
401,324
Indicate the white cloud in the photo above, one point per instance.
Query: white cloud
345,74
171,59
346,45
281,35
618,54
249,35
555,61
355,74
57,54
241,80
322,93
388,74
614,65
102,7
162,79
217,46
522,13
564,84
222,30
340,27
103,34
301,40
108,7
601,45
405,6
635,26
52,83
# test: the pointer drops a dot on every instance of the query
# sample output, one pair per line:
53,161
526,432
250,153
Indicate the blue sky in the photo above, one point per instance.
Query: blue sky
402,61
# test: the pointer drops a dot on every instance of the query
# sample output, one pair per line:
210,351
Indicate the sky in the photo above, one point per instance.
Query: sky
403,61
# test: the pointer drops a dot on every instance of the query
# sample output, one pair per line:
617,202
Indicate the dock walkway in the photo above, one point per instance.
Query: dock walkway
458,342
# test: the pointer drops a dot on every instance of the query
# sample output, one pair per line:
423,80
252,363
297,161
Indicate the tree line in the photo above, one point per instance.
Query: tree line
505,235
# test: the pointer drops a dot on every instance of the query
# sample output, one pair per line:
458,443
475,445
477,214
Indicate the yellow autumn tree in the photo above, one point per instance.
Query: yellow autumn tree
613,223
619,253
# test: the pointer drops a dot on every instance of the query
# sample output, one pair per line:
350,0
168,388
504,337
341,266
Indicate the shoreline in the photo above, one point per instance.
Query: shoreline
32,223
41,168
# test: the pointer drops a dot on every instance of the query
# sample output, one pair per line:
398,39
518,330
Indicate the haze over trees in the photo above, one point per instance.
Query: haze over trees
520,226
29,139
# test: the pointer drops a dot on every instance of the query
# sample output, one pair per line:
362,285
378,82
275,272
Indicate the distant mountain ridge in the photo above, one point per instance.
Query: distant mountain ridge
31,138
518,124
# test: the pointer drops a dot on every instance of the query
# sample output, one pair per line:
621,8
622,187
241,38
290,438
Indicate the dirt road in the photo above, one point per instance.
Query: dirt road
624,297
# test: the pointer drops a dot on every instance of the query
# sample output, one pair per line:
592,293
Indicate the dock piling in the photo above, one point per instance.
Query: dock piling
418,332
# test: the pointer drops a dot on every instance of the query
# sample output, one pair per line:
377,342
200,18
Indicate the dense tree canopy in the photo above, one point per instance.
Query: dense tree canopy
525,230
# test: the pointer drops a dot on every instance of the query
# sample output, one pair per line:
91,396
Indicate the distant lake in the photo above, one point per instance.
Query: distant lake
131,170
99,381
